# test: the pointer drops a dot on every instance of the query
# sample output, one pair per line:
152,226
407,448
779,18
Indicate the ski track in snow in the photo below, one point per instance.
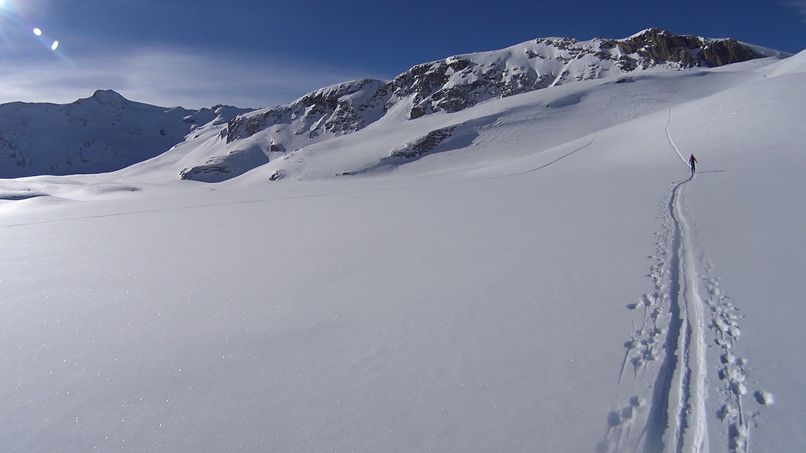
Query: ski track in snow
674,325
686,421
551,162
676,419
671,140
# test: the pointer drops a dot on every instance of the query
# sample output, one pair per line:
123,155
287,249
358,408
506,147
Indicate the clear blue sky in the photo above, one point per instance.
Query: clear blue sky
258,53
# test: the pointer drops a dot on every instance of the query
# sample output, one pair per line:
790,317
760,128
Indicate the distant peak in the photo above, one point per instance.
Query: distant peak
107,96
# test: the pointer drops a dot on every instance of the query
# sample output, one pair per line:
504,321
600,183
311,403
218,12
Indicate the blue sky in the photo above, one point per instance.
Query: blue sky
259,53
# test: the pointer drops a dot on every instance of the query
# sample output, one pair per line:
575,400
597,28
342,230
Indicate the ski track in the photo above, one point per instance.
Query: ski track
675,317
671,140
686,420
676,419
540,167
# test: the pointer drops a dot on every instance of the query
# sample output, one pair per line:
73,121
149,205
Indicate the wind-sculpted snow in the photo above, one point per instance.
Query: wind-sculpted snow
220,168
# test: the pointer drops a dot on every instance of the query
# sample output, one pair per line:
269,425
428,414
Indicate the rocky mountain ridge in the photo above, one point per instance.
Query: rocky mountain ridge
460,82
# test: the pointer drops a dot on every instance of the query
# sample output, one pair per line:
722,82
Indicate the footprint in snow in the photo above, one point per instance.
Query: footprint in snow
764,397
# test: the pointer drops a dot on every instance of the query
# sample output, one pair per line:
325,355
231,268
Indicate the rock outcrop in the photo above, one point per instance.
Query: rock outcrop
655,46
338,109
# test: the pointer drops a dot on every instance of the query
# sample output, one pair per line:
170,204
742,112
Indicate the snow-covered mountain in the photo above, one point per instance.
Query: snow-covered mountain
101,133
452,85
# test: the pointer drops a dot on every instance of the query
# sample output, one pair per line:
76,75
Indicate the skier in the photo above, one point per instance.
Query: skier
692,161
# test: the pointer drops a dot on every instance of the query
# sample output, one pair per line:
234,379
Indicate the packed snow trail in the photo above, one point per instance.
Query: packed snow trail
671,141
723,320
685,301
687,425
532,170
676,420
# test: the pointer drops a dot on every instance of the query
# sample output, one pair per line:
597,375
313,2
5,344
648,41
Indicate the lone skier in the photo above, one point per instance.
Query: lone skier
692,162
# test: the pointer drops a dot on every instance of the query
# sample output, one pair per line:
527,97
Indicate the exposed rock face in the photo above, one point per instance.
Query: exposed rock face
338,109
458,83
655,46
408,152
425,144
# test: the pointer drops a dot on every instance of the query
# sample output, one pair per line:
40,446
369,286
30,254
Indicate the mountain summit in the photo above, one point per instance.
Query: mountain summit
108,97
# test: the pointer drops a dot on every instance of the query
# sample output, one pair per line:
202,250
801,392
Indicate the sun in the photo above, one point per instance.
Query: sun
8,12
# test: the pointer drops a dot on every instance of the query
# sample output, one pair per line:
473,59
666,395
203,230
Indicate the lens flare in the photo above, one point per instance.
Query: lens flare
37,31
55,45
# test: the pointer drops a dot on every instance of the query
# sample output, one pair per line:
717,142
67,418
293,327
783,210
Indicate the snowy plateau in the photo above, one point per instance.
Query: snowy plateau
496,252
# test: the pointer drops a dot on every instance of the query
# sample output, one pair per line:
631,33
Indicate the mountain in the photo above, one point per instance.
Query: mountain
454,84
101,133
